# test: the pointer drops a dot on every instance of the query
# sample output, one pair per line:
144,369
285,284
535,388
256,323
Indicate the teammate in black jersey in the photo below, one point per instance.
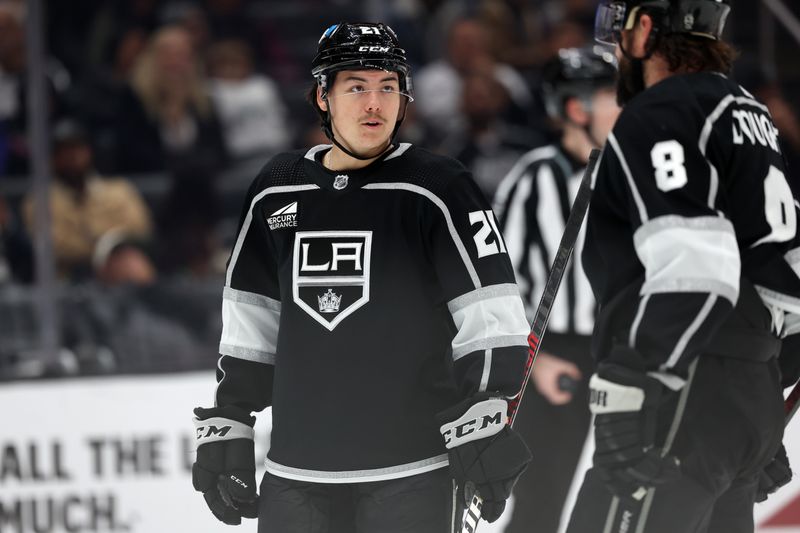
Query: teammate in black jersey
369,300
692,252
532,204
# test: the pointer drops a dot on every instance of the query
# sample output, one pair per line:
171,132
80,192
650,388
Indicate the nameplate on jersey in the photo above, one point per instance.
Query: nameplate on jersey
330,273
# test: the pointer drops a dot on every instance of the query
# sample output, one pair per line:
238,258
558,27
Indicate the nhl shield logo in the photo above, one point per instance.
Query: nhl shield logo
340,182
330,273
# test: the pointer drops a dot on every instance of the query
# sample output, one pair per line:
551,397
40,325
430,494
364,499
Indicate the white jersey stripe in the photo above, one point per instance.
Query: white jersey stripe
681,253
249,331
473,274
248,219
487,369
637,198
690,331
489,323
357,476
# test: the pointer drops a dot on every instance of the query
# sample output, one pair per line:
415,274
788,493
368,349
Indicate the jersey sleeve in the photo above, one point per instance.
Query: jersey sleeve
489,348
251,309
686,244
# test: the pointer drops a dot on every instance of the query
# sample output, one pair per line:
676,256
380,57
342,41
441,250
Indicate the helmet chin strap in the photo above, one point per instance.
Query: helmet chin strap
328,130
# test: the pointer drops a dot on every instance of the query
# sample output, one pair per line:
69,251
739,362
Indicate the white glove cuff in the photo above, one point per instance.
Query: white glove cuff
481,420
218,428
609,397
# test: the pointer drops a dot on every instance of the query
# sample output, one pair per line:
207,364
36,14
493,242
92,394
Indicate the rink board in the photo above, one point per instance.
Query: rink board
114,455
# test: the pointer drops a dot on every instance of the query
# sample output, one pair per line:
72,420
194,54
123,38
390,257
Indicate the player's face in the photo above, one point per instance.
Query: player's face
604,114
364,106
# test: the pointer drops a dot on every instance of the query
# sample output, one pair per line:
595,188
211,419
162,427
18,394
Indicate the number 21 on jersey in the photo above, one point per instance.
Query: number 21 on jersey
487,229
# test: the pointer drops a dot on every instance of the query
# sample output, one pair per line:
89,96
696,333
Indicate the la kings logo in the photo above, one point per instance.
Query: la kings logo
330,273
285,217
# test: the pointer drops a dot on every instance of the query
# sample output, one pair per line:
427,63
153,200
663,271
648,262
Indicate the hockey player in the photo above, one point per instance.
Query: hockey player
370,302
689,250
532,204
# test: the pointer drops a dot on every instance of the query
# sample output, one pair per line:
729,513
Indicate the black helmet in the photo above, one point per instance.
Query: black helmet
360,45
576,73
703,18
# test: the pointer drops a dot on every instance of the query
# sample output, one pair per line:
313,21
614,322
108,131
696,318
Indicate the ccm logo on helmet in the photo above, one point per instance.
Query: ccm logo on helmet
381,49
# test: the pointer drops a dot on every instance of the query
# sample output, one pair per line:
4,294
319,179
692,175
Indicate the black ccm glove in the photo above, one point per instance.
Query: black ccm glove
625,403
484,450
774,476
225,468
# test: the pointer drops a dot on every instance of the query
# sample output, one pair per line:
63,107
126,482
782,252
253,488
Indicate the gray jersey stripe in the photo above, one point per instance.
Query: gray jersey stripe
355,476
669,222
484,293
473,274
690,331
783,301
705,135
400,150
253,298
692,285
248,354
502,341
237,248
312,152
637,321
487,369
637,198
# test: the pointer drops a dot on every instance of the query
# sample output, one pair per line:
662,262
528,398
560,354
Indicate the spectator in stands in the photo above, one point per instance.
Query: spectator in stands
188,243
13,112
488,146
127,312
84,205
16,252
250,107
167,119
526,33
438,85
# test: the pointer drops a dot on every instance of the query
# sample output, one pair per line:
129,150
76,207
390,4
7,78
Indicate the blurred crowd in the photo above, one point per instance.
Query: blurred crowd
161,112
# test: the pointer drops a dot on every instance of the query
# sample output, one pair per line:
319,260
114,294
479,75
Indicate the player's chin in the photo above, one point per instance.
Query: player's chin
373,145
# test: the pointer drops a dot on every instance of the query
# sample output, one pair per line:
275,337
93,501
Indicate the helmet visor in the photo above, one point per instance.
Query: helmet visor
609,22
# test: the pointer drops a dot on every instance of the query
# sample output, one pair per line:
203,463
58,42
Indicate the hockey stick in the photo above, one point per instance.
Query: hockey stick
571,229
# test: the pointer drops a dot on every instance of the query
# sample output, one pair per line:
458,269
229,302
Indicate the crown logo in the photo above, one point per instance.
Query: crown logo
329,302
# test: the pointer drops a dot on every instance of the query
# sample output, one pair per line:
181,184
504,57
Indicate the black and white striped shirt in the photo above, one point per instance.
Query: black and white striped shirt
532,205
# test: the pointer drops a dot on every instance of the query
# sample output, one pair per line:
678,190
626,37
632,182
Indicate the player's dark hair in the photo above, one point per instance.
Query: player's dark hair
689,53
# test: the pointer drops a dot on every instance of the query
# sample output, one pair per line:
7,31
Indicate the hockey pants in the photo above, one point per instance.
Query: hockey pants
730,428
416,504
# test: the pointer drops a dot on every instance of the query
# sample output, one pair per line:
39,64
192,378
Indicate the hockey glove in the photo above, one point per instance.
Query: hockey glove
225,468
774,476
484,451
625,403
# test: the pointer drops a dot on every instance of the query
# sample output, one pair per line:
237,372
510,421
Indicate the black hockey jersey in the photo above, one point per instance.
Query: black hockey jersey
532,205
359,304
691,209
